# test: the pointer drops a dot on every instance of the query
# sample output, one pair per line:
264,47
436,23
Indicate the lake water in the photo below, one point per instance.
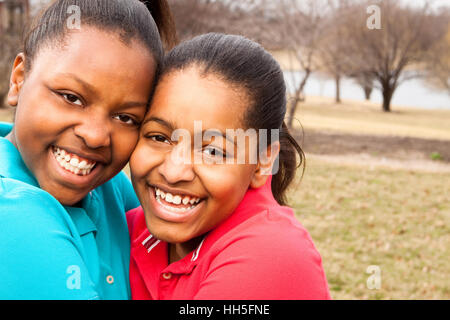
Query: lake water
412,93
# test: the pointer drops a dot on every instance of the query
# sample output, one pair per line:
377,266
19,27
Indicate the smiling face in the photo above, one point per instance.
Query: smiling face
79,110
182,198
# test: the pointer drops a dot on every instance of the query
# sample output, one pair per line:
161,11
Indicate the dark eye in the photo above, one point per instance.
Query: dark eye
72,98
158,138
125,119
213,152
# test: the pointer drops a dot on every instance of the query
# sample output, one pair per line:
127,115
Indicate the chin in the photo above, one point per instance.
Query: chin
165,234
68,199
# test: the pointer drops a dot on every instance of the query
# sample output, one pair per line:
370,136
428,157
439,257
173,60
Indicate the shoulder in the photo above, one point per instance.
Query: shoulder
275,228
38,244
272,253
30,212
18,196
5,128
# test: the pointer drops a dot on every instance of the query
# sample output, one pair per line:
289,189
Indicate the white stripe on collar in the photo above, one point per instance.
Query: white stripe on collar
147,239
195,255
149,243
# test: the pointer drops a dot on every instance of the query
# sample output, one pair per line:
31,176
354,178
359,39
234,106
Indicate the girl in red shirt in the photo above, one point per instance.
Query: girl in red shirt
211,168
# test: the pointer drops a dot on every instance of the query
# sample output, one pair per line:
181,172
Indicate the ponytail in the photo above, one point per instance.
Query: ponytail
288,165
162,15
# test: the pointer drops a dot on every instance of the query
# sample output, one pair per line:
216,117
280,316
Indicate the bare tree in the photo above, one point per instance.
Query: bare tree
333,49
14,15
194,17
9,44
300,28
393,53
437,63
366,81
9,47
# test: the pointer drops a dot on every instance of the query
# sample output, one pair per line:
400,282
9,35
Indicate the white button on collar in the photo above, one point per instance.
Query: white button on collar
167,275
110,279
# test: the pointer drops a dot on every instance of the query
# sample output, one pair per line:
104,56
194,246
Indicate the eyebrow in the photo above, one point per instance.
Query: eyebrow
220,133
172,127
81,82
162,122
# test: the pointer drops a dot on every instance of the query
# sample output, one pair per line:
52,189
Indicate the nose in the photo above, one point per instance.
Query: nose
177,165
95,131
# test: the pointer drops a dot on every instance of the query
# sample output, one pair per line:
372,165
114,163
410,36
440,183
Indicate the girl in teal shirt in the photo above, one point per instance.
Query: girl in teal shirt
81,90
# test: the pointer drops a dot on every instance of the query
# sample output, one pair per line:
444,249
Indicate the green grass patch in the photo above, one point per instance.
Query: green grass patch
395,219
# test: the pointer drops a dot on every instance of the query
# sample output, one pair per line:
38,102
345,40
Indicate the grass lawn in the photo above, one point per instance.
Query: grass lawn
394,219
363,117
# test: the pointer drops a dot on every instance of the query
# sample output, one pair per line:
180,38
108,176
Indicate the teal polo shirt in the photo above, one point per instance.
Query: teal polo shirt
51,251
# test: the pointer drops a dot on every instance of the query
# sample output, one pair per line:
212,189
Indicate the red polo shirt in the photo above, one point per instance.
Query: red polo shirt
260,252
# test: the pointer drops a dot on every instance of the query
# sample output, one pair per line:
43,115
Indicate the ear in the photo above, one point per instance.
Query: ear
265,164
16,80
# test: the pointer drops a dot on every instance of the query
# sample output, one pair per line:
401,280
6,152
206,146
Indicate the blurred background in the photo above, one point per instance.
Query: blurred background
369,102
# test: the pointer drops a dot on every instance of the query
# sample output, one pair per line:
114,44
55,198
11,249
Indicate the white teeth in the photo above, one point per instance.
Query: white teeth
169,197
82,164
72,164
174,209
176,199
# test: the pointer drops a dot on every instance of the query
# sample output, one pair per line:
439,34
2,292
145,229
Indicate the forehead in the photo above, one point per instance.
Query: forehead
91,52
185,96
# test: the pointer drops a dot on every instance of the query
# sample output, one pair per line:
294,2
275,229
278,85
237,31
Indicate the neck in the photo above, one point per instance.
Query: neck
11,137
178,251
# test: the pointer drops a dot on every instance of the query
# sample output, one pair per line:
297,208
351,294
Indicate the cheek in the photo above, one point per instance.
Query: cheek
226,183
123,146
141,161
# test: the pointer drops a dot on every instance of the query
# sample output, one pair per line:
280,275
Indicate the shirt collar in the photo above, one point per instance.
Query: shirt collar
12,165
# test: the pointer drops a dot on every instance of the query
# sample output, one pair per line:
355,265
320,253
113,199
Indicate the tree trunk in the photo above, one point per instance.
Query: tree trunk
2,100
338,88
367,91
296,99
388,91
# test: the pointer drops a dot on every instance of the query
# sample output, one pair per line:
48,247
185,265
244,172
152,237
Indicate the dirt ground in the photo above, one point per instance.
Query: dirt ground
389,147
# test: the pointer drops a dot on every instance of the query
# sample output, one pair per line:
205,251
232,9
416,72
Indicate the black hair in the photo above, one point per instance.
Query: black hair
131,19
244,63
